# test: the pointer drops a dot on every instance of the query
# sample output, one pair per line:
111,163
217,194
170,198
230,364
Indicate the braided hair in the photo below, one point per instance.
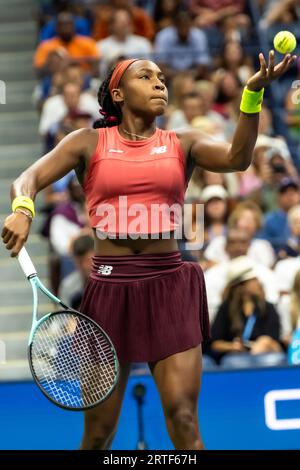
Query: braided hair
112,114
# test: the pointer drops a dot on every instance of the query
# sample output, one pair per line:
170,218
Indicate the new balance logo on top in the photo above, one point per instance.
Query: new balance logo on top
105,270
115,151
161,149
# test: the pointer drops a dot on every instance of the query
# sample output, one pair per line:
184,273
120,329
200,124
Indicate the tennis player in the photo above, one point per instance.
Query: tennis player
151,303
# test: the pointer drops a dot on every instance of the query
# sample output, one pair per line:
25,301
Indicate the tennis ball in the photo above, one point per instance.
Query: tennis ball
285,42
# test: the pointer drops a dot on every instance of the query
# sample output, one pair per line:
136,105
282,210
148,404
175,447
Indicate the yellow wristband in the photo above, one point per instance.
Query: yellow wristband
251,101
23,201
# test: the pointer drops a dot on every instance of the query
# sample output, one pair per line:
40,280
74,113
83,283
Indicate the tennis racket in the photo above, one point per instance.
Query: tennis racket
71,358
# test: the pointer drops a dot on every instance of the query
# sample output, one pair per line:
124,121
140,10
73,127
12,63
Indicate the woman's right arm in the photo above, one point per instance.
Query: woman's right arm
66,156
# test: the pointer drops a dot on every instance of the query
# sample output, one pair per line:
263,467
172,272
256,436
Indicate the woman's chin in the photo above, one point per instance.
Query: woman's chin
159,110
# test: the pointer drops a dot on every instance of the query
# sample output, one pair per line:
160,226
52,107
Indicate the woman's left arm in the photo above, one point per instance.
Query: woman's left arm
224,157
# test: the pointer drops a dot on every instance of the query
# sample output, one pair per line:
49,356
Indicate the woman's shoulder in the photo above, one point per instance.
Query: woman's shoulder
170,135
83,142
84,133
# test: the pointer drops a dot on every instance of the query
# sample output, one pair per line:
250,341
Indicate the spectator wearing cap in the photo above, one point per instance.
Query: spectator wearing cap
276,228
237,244
182,47
80,49
246,216
215,199
213,223
78,119
245,321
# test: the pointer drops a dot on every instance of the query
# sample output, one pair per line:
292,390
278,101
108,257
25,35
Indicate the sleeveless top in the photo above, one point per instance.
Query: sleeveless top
136,187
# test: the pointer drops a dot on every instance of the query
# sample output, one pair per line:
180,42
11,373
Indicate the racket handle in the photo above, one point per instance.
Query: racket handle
26,263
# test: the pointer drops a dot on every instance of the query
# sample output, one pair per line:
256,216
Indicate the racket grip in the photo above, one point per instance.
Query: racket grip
26,263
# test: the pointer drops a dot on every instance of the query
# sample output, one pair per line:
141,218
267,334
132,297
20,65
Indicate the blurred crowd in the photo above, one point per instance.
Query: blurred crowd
208,49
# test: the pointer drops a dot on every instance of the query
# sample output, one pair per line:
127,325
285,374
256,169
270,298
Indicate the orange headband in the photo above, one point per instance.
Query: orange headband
118,73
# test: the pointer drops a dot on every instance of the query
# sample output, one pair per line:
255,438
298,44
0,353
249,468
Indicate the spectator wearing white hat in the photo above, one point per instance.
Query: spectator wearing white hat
215,199
245,321
211,223
237,244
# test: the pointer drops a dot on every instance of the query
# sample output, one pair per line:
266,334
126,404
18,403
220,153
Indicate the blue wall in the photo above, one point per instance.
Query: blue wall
232,414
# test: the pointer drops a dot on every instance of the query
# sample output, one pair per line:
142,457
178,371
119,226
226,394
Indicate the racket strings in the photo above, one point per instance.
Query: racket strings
73,360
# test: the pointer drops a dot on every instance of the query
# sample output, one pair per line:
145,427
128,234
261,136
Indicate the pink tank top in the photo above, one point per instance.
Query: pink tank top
136,186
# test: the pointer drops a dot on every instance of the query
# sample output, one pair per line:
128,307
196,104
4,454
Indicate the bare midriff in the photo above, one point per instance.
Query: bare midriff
119,247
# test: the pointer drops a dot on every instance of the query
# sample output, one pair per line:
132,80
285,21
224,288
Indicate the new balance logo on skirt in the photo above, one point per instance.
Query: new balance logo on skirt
105,270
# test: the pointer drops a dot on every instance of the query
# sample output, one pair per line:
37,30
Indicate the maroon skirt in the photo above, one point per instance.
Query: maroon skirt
150,305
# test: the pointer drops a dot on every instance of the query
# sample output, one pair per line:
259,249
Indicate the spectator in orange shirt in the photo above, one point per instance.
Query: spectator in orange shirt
143,24
80,49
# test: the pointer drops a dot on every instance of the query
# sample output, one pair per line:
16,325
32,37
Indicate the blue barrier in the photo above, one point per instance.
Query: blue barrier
240,409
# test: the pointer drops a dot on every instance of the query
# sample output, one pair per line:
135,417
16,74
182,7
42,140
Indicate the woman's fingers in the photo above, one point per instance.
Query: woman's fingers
290,61
4,231
263,65
15,232
12,242
284,65
272,71
271,65
7,236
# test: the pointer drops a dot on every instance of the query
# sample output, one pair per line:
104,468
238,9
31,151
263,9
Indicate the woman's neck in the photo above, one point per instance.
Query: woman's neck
248,307
137,129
